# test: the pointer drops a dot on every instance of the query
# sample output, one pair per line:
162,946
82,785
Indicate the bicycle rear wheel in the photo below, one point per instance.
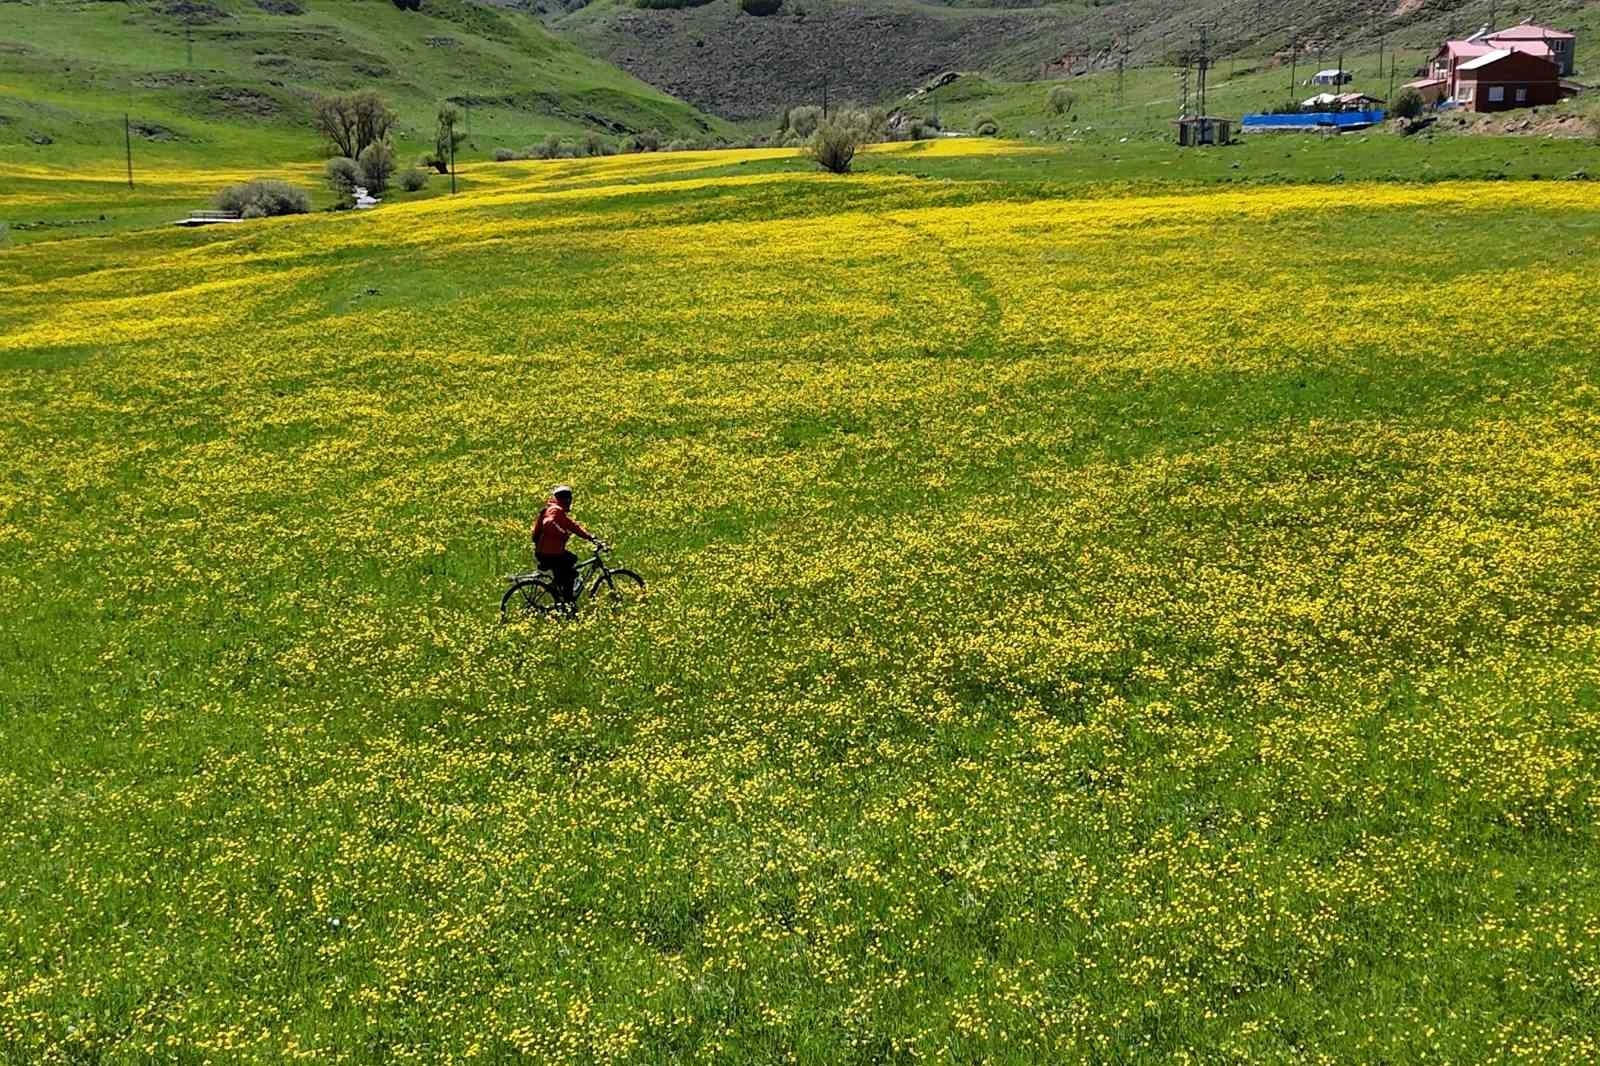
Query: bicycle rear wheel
528,598
616,588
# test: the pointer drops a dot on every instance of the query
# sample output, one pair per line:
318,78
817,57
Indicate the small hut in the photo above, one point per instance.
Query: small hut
1197,130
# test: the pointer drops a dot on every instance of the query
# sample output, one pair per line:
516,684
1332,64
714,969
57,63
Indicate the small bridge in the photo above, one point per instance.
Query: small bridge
209,218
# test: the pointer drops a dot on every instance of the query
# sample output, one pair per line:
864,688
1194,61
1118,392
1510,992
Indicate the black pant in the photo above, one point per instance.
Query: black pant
563,567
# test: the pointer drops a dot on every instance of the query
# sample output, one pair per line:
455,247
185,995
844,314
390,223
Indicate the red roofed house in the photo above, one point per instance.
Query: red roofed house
1506,79
1452,54
1563,45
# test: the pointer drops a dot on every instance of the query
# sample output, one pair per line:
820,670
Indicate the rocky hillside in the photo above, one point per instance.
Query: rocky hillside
725,60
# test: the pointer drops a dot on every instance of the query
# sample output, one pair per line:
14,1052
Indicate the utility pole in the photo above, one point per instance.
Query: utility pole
127,141
1294,62
450,135
1205,62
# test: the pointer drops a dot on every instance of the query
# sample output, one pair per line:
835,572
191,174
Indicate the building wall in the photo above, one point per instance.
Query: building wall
1479,93
1565,51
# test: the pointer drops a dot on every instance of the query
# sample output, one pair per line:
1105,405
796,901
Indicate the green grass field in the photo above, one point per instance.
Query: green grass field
234,86
1128,628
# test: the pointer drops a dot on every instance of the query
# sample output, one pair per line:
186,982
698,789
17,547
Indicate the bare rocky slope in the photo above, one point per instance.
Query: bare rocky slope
720,59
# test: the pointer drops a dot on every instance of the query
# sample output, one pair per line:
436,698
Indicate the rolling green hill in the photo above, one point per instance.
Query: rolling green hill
232,79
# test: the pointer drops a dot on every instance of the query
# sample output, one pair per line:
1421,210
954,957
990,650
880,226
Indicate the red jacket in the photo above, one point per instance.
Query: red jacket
552,528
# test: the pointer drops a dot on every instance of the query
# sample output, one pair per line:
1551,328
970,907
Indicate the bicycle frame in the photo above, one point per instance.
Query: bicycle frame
588,572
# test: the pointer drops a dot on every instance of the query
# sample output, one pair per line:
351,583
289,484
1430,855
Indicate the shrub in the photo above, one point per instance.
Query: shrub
505,155
803,120
1409,104
377,166
680,145
917,131
648,141
986,126
414,180
1059,100
760,8
871,122
343,176
549,148
593,145
264,198
834,145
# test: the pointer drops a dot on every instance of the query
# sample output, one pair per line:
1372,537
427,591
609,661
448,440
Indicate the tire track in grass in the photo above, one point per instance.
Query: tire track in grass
979,287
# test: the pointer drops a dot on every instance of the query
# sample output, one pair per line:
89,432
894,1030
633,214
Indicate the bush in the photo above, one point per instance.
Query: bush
593,145
917,131
986,126
505,155
760,8
343,176
414,180
1409,104
680,145
834,145
803,120
871,122
377,166
1059,100
549,148
648,141
264,198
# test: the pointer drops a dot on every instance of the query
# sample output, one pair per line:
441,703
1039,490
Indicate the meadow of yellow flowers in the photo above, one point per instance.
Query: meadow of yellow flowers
1148,628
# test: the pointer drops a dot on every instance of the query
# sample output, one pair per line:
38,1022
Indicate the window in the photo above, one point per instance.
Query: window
1522,96
1497,94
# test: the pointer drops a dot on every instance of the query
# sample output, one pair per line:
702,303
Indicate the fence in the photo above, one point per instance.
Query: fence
1311,120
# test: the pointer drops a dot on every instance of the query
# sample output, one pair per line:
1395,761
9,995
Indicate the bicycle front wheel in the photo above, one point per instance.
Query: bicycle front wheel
617,587
527,599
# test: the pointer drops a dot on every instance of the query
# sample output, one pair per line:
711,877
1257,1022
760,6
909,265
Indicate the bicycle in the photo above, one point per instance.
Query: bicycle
533,593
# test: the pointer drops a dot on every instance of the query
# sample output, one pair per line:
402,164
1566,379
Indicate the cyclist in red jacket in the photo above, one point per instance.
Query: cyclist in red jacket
551,530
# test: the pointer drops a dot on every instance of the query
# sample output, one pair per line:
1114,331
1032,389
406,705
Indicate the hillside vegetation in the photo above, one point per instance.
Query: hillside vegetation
1149,628
731,63
232,79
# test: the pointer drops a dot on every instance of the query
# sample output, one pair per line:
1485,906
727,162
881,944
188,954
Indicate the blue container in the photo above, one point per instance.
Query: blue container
1314,120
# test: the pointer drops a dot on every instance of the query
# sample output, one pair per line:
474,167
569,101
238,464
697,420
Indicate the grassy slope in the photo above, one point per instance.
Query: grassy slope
1082,629
46,204
70,70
